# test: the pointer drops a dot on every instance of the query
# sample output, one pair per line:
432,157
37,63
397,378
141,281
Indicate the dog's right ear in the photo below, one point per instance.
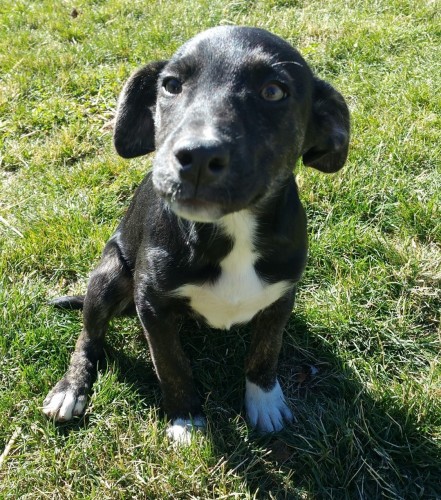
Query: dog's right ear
134,133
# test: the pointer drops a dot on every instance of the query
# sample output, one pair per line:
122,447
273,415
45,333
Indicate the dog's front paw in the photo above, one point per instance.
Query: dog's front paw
181,429
266,410
64,401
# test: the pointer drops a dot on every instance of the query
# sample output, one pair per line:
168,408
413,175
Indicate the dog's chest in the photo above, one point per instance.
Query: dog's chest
238,293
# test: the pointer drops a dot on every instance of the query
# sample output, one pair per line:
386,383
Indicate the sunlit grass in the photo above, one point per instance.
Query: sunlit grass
360,363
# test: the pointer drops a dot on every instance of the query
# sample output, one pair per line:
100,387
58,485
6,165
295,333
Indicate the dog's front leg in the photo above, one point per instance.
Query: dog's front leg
264,400
181,401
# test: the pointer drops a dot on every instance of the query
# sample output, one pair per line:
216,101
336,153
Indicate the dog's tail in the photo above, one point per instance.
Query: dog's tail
68,302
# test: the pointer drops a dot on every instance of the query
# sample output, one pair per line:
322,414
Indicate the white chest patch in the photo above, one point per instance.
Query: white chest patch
238,294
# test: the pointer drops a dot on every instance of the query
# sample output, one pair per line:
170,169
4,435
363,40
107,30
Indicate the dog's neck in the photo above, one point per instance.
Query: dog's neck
241,228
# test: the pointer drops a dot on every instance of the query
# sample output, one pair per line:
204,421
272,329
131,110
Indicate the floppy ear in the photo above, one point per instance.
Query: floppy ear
327,137
134,133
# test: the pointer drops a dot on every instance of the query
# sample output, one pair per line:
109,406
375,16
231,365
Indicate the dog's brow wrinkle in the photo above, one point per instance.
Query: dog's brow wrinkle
287,62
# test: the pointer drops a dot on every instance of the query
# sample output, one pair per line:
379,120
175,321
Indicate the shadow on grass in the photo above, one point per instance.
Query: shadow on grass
343,443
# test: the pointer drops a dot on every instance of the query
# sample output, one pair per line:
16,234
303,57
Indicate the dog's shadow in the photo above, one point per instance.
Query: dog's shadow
344,443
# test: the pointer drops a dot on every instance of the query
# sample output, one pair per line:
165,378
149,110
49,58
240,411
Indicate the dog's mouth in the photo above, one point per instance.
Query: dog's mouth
196,210
206,207
202,203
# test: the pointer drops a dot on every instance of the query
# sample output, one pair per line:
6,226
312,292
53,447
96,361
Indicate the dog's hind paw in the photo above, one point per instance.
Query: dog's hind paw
181,430
266,410
64,404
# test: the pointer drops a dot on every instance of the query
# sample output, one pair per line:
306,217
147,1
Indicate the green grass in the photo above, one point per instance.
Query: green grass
368,310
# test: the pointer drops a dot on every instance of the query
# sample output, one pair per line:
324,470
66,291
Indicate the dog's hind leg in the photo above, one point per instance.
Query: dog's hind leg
109,292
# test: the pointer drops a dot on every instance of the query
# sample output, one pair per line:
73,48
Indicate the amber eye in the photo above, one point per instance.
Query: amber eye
273,92
172,86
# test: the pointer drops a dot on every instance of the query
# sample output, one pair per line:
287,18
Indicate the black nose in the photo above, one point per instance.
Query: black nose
202,161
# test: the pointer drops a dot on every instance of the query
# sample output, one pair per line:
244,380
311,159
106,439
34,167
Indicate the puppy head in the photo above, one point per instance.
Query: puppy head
229,115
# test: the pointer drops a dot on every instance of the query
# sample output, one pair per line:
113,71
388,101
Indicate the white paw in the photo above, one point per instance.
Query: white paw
63,405
266,410
182,429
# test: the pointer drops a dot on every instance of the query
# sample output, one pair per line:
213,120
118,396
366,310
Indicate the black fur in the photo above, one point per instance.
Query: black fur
222,145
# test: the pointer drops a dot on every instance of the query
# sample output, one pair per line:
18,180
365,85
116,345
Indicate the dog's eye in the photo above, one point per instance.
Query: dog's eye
172,86
273,92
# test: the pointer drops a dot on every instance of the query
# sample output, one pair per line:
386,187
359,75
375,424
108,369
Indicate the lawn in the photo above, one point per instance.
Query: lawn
361,358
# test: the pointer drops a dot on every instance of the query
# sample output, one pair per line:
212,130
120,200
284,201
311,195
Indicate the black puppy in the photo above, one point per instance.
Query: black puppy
216,230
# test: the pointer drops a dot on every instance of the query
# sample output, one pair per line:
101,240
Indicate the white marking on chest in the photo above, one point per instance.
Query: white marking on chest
238,294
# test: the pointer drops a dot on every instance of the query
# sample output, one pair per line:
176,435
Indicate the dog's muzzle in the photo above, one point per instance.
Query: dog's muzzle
200,169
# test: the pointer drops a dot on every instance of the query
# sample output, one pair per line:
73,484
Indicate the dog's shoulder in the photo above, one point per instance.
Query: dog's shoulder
281,237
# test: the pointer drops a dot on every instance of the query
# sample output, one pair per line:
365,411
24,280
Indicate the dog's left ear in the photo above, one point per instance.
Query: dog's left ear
327,136
134,133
